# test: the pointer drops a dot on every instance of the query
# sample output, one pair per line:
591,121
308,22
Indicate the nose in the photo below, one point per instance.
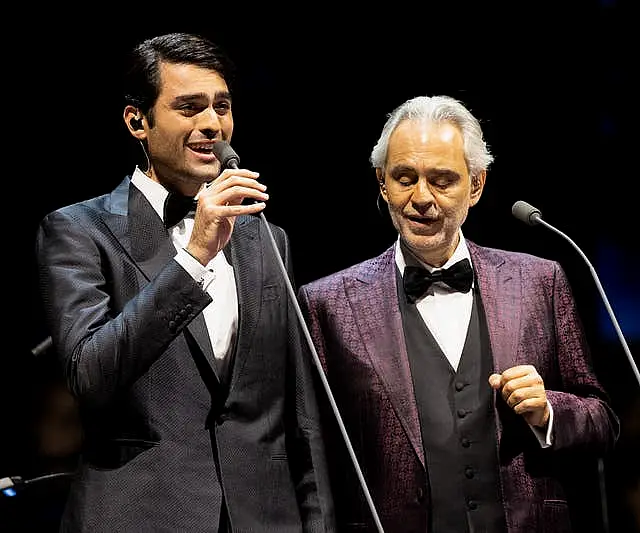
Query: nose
422,196
209,122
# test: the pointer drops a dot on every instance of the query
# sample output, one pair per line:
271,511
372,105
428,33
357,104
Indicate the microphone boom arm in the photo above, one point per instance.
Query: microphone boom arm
627,351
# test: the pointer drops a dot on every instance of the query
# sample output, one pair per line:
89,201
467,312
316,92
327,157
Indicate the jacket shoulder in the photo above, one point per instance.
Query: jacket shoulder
92,207
525,261
362,270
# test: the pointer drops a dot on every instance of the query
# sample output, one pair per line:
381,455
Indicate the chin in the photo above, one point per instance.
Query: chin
206,172
423,242
425,246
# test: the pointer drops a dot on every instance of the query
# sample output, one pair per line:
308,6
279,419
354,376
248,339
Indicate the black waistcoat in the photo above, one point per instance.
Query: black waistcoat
457,424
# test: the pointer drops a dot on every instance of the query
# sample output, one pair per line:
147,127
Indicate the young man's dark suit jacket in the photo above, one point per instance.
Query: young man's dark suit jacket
355,321
166,435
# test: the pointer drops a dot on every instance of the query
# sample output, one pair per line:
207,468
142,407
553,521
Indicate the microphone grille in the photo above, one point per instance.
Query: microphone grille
525,212
226,155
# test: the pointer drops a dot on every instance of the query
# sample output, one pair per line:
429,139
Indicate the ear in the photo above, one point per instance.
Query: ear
381,184
477,186
135,122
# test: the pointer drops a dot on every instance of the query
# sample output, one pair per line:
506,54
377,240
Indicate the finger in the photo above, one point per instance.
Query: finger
247,179
495,380
229,172
530,405
237,196
523,394
518,371
529,380
249,209
233,195
216,187
233,174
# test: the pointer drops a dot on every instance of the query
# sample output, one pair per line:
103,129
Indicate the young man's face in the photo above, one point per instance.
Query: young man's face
193,110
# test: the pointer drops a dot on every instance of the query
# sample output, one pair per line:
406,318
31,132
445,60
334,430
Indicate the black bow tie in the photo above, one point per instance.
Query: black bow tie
176,207
417,280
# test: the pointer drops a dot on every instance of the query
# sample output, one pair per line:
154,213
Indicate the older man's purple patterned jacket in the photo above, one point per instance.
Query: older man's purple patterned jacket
354,319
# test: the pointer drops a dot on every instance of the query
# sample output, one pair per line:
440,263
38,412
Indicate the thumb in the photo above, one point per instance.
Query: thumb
495,380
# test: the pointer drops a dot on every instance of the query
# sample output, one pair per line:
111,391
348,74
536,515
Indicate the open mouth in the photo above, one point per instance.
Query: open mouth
202,148
202,153
424,221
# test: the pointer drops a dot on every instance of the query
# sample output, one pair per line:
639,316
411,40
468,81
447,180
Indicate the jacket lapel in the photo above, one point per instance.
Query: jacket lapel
374,301
246,257
142,234
501,294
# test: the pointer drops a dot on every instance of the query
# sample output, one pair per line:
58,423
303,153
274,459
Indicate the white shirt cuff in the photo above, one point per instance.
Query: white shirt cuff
203,275
544,436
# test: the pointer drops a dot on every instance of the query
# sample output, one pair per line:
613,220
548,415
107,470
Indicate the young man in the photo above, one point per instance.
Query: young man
175,330
461,372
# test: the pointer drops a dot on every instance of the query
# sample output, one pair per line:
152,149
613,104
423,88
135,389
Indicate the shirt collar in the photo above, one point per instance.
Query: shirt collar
152,190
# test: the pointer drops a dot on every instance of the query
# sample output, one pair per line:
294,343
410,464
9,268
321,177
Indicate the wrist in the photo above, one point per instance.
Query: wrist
196,256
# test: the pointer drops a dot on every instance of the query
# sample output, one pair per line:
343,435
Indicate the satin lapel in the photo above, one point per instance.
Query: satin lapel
150,246
138,229
374,301
501,293
246,258
150,243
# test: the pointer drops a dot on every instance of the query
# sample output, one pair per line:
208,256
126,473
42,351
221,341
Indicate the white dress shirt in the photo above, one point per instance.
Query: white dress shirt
217,278
447,314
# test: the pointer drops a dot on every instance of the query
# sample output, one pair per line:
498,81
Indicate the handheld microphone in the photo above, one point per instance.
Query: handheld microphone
226,155
229,159
533,217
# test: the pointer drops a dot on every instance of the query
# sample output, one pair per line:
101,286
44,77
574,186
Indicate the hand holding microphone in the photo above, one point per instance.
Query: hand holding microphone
221,201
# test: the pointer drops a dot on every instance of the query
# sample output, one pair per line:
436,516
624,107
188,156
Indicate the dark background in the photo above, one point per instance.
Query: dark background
553,84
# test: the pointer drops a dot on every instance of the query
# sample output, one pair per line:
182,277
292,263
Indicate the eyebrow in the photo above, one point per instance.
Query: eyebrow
401,169
432,172
443,173
220,95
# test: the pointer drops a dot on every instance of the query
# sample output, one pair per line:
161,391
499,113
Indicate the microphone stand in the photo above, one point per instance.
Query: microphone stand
531,216
627,351
325,383
229,159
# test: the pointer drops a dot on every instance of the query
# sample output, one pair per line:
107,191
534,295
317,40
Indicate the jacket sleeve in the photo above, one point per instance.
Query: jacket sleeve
582,413
107,321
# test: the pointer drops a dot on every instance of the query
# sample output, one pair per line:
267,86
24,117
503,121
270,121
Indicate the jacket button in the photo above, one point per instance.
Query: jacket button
459,386
472,505
465,442
469,472
420,494
462,413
